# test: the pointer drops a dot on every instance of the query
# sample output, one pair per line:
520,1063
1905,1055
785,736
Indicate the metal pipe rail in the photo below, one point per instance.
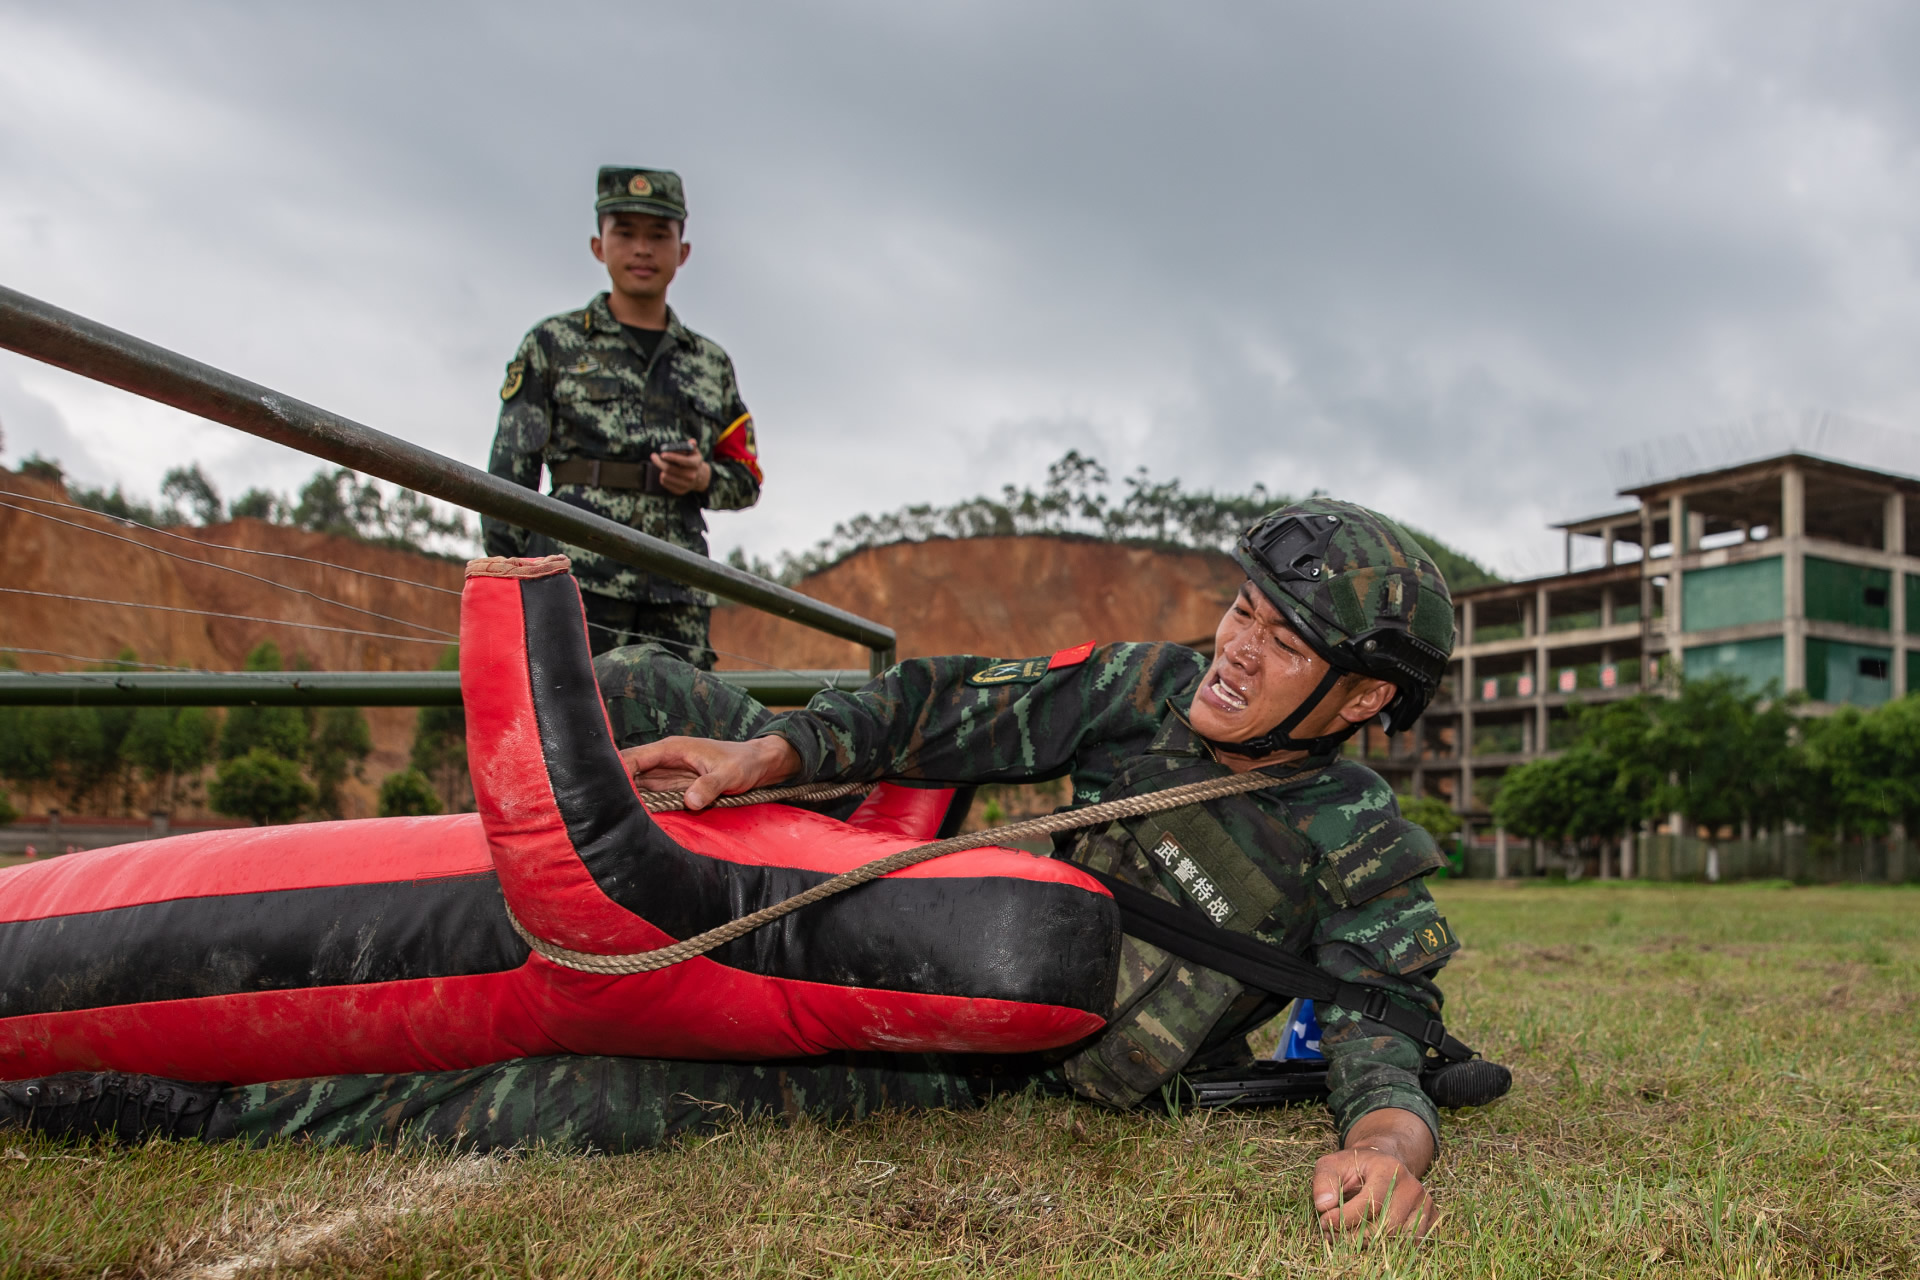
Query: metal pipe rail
329,688
93,350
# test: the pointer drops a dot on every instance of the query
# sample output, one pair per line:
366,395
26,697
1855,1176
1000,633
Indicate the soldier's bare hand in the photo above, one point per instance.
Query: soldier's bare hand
1376,1178
683,472
1352,1190
709,768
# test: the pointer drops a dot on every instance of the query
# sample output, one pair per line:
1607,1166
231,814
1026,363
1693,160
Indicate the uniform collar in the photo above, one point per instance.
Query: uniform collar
598,319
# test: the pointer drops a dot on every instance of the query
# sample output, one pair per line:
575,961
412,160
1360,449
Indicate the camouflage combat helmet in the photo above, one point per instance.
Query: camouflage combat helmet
1364,593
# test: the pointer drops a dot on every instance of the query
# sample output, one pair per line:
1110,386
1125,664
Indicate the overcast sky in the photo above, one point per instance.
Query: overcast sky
1436,258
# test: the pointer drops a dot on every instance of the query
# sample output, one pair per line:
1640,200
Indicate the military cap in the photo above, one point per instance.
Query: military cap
655,191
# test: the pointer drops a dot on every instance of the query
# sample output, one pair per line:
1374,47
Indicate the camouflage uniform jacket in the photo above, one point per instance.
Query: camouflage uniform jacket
579,387
1340,873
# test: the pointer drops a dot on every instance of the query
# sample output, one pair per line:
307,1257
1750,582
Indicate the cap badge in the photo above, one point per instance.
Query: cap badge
639,186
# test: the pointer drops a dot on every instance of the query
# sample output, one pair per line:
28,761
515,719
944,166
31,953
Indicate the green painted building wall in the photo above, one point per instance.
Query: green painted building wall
1759,662
1849,593
1857,673
1913,606
1913,666
1732,594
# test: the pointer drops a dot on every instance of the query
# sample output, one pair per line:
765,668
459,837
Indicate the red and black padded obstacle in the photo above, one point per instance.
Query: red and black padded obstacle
385,944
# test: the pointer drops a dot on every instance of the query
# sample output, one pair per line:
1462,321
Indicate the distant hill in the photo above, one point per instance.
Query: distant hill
1010,597
1077,499
1457,567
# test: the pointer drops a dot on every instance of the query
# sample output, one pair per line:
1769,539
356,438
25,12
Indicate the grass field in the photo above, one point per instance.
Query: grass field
1710,1081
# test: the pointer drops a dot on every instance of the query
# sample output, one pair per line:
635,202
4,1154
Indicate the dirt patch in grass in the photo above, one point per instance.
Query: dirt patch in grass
1712,1081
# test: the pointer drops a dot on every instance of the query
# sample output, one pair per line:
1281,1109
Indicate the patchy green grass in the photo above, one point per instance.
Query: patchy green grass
1710,1081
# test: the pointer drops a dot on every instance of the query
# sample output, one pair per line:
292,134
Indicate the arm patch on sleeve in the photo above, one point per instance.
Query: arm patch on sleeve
1436,939
1019,671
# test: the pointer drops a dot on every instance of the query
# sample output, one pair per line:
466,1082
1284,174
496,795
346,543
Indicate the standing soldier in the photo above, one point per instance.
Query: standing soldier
636,417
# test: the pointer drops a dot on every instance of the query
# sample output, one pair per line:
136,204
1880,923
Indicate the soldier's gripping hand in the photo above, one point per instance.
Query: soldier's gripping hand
1373,1183
683,473
708,768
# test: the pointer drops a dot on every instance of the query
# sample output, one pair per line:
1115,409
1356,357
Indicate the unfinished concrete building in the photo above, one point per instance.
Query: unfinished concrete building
1792,571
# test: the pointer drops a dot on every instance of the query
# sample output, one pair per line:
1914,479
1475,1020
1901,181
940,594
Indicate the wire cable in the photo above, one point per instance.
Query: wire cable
238,617
251,551
75,657
226,568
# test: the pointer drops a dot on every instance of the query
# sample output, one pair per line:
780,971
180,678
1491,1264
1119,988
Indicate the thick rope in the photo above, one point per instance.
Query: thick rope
1232,784
673,801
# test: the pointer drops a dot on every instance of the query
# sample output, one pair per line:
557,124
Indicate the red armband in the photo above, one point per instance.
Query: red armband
736,445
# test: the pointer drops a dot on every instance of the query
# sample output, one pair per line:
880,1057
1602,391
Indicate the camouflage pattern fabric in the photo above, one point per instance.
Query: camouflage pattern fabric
1338,870
624,189
579,387
1373,573
680,629
584,1103
651,694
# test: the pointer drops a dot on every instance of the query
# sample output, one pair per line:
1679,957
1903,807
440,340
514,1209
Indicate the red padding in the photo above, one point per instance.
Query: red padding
894,810
246,860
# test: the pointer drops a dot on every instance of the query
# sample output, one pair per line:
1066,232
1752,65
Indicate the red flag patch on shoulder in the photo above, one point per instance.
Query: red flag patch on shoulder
1071,657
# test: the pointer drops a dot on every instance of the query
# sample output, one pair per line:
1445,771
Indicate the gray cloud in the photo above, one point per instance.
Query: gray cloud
1439,257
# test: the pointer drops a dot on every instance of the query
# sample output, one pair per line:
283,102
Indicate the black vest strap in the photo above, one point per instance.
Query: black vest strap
1263,966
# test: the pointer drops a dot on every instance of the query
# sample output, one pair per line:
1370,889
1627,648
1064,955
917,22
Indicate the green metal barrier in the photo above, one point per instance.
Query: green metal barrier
329,688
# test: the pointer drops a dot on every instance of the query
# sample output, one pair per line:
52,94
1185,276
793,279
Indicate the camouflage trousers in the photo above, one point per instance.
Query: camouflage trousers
680,628
584,1103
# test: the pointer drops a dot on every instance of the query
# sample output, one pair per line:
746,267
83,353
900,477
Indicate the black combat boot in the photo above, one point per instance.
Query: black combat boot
86,1104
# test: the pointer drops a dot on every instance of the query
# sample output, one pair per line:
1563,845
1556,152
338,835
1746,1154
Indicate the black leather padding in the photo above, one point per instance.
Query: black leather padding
279,940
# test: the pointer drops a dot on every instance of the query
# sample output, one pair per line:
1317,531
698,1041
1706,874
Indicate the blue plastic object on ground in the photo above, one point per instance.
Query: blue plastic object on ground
1302,1041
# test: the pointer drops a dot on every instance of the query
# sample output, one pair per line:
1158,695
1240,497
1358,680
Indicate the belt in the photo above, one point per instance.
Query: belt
598,474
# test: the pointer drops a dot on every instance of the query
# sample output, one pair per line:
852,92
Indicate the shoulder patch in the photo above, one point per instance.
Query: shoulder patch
1435,938
1019,671
516,377
1070,657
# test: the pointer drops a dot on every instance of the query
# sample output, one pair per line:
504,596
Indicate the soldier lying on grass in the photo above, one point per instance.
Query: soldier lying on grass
1344,619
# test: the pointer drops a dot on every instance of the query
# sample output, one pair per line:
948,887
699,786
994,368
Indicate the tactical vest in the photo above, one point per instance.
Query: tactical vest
1289,868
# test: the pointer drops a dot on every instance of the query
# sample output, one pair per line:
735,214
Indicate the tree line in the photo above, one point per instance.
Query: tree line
1722,755
1078,498
334,500
269,764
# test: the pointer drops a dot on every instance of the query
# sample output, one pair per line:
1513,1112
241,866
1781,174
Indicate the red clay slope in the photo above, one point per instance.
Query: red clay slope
1003,597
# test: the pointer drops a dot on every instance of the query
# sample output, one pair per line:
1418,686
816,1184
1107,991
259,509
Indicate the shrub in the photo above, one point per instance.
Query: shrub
407,794
1436,815
262,787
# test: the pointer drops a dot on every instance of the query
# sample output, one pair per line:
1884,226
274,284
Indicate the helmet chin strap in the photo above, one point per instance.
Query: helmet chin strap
1280,737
